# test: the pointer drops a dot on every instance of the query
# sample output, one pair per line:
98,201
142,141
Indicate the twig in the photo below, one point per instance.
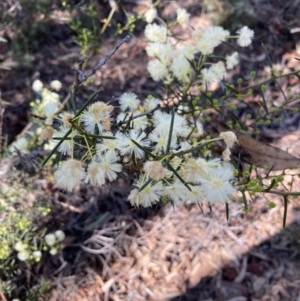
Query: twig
81,77
79,74
102,250
63,265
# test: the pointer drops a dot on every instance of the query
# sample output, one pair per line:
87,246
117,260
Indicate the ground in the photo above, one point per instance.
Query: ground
116,252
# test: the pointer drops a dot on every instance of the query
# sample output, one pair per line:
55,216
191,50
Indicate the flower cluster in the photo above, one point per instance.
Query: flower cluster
148,138
53,241
197,180
172,176
180,61
25,252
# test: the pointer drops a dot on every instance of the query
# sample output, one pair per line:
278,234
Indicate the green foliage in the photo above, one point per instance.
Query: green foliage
90,24
84,20
27,25
20,216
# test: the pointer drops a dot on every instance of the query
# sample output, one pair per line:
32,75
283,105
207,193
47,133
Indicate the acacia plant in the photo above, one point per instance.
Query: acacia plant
155,142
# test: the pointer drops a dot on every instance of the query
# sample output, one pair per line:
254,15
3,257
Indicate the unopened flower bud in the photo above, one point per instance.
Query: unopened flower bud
60,235
47,133
50,239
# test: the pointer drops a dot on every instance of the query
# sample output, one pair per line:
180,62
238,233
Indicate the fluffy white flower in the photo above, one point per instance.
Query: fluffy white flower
245,36
156,33
122,116
50,239
140,123
53,251
95,174
162,122
216,34
196,195
135,197
109,166
56,85
207,76
23,255
37,86
190,171
96,114
49,96
193,170
69,174
163,52
19,246
150,195
205,46
197,35
186,51
60,235
232,60
181,68
176,191
211,38
157,70
37,255
219,189
218,70
160,139
128,101
182,17
150,103
150,15
128,147
50,108
153,49
208,165
107,145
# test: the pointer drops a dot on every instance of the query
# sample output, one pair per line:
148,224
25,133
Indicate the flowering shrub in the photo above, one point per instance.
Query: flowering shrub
154,140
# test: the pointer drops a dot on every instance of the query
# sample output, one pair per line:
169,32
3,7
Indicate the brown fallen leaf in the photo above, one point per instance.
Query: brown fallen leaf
259,154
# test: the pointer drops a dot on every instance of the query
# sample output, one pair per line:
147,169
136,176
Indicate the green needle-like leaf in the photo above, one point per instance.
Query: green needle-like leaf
263,102
171,131
179,177
267,55
145,185
72,101
57,146
227,211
